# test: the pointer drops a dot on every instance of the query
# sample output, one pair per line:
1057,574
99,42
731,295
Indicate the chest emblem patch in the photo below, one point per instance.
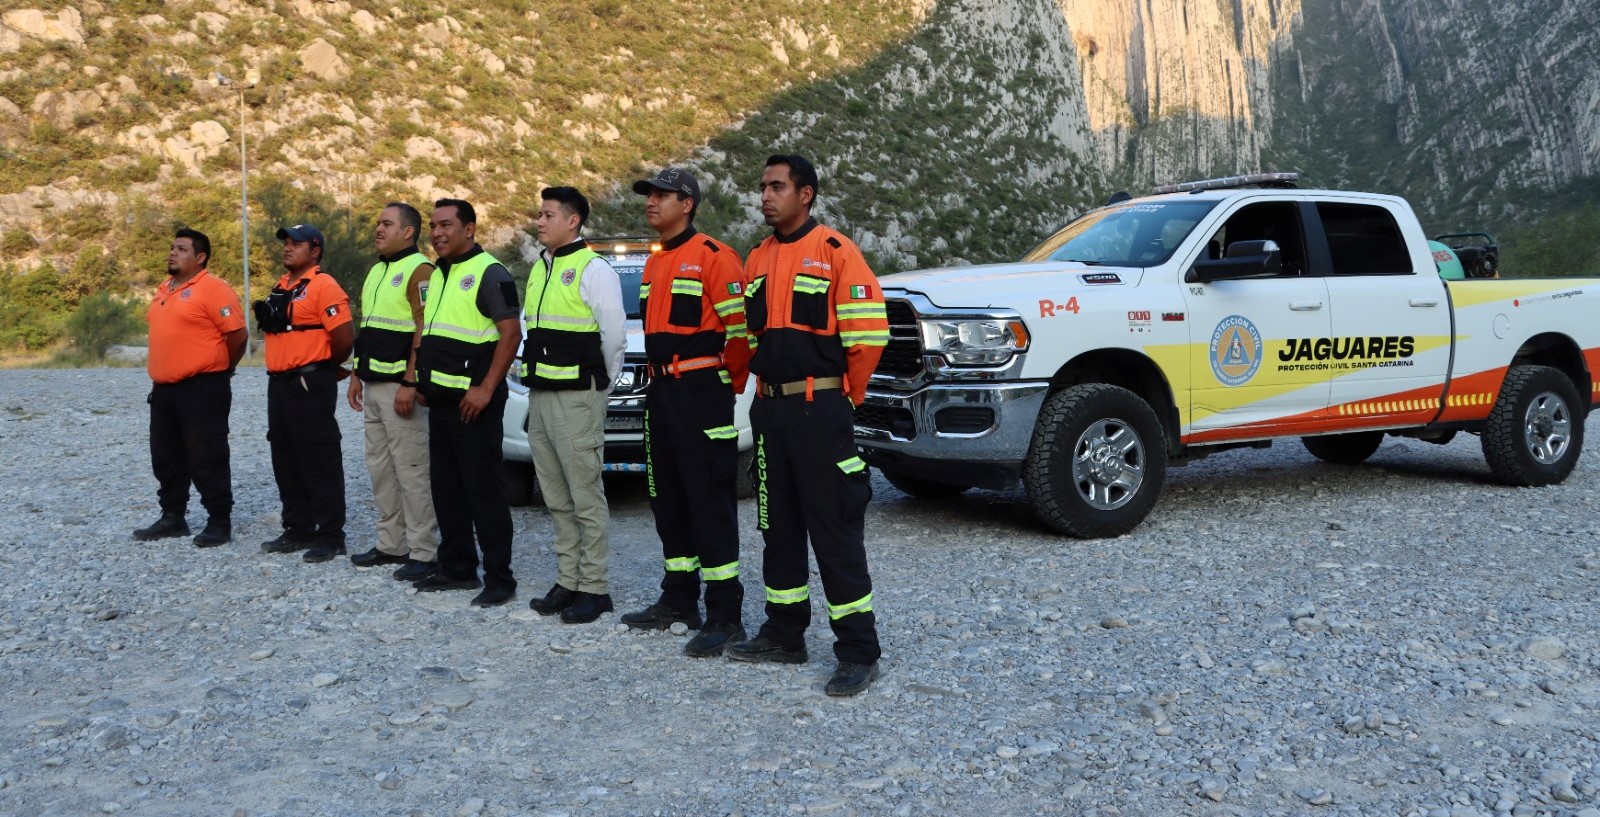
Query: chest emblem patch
466,282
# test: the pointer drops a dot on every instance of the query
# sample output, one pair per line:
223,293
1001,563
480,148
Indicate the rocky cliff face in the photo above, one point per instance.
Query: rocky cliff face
961,130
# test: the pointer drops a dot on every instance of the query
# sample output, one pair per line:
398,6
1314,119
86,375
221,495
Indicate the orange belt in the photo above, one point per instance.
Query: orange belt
677,367
805,387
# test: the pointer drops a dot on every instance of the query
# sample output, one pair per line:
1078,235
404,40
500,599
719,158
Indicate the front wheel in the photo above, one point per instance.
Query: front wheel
1097,461
1344,449
1535,430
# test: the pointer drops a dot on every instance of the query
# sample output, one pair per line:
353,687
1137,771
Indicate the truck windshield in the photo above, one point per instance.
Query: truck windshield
630,277
1127,235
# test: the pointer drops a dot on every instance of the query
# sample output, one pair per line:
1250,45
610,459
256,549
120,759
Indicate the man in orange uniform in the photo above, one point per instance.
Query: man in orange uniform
309,333
197,336
817,325
692,300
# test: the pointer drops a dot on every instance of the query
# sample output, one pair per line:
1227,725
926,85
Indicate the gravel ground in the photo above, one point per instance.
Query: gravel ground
1281,637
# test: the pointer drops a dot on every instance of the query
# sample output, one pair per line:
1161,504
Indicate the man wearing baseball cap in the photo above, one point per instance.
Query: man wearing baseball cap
306,319
692,301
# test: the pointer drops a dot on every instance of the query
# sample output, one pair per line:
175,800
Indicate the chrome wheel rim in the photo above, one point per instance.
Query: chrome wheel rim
1547,428
1108,464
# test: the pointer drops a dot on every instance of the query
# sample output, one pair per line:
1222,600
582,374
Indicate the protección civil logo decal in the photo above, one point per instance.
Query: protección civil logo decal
1235,351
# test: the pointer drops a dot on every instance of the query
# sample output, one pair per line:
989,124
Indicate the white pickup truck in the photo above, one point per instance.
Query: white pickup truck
1232,312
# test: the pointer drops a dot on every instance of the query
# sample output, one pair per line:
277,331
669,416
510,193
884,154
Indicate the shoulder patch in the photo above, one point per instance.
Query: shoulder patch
833,242
712,246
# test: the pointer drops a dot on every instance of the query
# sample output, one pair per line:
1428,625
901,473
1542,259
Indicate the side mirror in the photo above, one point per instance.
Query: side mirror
1243,259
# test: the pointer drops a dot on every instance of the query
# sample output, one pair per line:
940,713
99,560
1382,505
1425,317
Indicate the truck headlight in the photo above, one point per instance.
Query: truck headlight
982,342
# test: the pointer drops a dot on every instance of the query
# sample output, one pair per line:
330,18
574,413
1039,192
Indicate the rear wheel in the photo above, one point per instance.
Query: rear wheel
1535,430
522,487
1344,449
744,481
922,488
1097,461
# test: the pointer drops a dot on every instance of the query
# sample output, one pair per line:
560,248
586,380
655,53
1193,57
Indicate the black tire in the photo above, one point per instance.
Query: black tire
744,482
522,487
1075,475
1344,449
1535,430
923,488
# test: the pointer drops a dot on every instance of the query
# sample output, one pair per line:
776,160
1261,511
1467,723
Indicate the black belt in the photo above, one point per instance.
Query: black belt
309,368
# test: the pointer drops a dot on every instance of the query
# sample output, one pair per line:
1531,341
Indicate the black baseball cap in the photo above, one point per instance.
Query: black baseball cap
675,179
301,232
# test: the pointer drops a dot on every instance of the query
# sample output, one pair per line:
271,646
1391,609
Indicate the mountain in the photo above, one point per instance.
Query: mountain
948,132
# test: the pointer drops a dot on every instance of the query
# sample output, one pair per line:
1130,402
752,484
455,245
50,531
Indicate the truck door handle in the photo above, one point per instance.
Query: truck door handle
1305,306
1424,301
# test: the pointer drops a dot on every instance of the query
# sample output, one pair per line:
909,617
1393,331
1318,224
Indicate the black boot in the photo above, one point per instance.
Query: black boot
170,524
219,531
586,607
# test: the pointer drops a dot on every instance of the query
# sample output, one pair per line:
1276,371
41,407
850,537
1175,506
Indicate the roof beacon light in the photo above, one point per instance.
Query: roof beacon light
1248,180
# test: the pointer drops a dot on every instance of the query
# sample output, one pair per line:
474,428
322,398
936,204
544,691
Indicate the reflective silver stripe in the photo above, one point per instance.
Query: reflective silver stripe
730,305
792,596
865,337
722,433
463,333
550,372
861,605
687,286
861,311
852,465
545,317
385,367
450,381
644,290
812,286
375,320
717,574
683,564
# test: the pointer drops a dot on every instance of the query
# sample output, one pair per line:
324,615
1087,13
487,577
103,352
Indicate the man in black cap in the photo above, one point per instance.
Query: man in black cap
309,332
692,302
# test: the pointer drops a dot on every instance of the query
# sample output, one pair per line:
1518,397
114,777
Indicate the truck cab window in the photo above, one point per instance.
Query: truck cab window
1364,240
1268,221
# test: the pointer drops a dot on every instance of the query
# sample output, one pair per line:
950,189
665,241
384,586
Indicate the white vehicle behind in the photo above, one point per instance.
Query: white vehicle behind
624,425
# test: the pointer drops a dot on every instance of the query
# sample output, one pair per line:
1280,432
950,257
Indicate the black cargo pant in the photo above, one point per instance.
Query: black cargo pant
307,462
469,501
692,459
189,443
810,482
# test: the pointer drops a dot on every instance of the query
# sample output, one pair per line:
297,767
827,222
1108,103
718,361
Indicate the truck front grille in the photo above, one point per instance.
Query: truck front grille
903,355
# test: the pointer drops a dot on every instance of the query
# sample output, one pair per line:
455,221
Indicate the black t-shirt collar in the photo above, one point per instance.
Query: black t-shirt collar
680,239
390,259
804,229
446,263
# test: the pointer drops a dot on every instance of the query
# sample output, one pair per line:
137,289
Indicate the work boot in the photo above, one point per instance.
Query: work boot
586,608
322,553
763,650
438,582
494,596
170,524
659,617
217,532
287,542
851,679
712,638
414,571
375,557
559,598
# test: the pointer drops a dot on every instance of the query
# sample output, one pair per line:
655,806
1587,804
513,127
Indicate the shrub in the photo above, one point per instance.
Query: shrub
101,321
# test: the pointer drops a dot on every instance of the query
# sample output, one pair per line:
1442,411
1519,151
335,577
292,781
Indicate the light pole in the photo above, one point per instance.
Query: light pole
244,206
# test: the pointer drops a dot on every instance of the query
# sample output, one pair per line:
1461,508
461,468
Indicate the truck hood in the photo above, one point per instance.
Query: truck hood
1005,285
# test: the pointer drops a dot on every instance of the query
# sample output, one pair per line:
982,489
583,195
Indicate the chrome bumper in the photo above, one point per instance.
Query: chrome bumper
992,456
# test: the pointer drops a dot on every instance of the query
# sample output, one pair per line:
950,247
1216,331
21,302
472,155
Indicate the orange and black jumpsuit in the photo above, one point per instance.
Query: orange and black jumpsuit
817,327
692,300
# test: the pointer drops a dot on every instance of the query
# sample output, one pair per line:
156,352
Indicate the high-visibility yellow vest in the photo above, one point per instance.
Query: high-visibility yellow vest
383,343
457,340
562,350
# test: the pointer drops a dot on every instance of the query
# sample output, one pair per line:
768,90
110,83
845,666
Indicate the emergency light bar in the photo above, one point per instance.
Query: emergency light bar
1226,182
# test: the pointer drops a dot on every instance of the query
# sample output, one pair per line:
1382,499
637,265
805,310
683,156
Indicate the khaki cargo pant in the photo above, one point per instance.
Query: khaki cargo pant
566,433
397,461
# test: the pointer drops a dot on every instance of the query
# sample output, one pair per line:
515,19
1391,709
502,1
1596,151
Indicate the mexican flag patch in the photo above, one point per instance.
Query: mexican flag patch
860,292
735,288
